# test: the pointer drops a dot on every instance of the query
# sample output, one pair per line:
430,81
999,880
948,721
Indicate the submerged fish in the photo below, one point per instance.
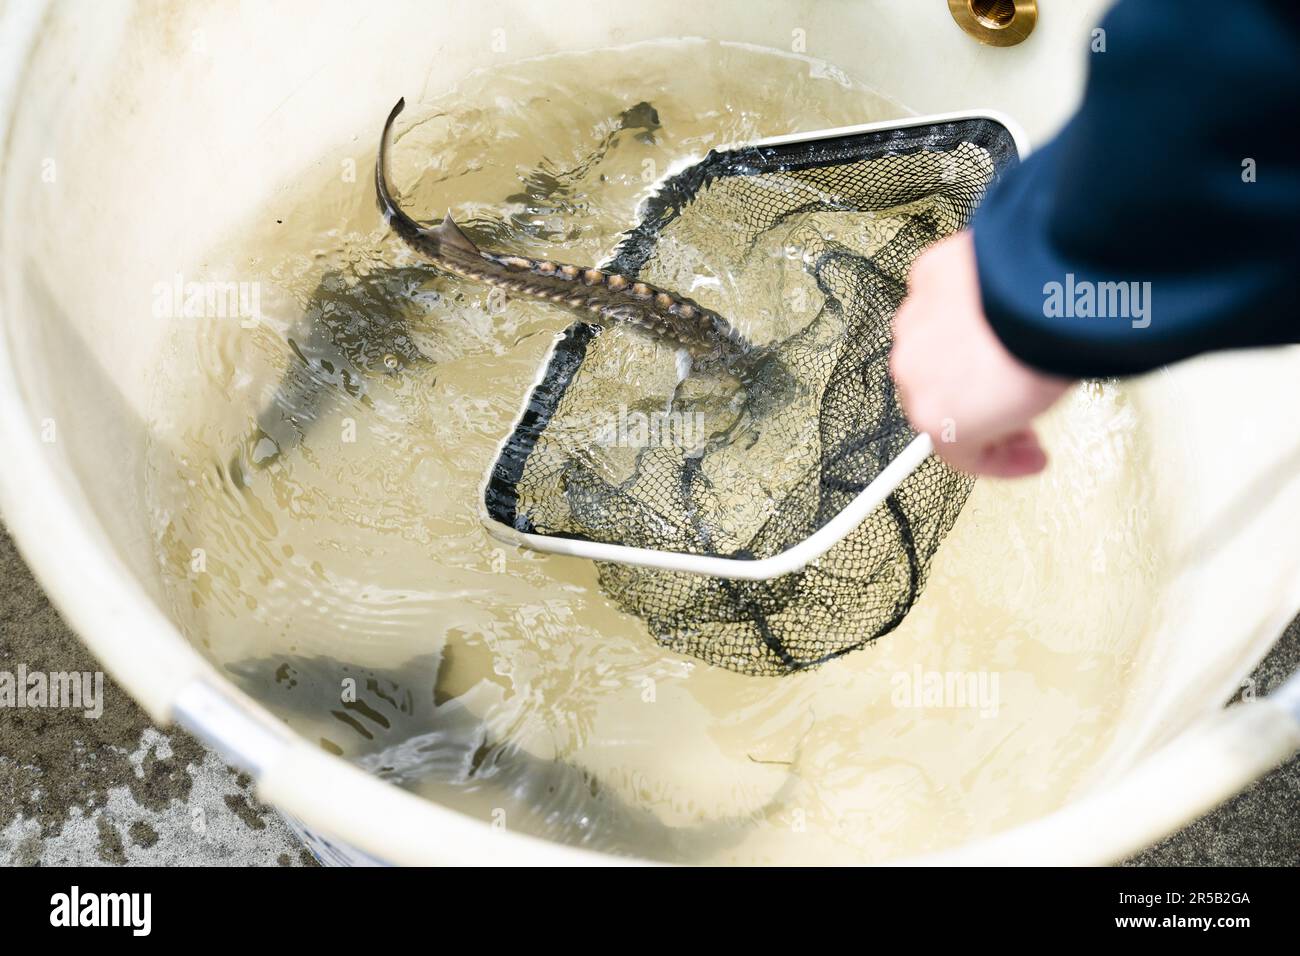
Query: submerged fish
608,296
551,192
351,329
431,740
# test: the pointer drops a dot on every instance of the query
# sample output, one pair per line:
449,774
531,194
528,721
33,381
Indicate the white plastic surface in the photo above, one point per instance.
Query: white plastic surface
169,124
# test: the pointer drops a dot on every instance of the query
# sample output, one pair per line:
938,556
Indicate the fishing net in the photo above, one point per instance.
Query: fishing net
806,247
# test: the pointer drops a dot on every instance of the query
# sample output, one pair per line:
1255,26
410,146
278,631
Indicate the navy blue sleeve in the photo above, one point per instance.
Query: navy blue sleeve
1142,198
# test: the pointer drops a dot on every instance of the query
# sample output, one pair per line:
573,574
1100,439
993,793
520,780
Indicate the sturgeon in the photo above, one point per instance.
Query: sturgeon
608,296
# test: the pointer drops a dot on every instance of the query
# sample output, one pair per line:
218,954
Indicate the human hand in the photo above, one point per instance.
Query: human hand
955,379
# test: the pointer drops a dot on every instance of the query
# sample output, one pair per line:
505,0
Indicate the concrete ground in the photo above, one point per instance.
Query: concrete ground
112,790
116,790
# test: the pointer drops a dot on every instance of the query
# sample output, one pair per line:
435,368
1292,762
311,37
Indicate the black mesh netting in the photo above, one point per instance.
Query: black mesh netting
806,248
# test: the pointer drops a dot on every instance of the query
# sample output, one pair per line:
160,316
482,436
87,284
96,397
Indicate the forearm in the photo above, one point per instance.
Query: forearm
1140,207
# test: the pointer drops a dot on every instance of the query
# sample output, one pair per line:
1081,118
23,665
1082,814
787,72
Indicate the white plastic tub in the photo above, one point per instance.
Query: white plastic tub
134,135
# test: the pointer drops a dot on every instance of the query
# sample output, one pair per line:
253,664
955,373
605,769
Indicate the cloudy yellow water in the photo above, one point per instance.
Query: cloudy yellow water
336,565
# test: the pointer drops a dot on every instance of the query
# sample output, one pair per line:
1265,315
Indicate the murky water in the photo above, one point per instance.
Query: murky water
316,480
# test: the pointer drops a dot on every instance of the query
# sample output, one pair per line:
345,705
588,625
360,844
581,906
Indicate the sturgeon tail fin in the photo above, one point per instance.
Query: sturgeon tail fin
405,226
431,242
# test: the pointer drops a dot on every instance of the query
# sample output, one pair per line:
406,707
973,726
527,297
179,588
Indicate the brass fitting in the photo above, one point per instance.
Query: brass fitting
996,22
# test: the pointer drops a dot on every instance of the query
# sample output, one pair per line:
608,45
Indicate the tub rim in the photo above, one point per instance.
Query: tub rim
161,670
96,596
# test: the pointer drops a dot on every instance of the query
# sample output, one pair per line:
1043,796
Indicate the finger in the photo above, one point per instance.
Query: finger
1016,456
902,317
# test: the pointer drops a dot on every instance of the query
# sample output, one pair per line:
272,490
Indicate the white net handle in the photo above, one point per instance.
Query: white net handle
745,569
